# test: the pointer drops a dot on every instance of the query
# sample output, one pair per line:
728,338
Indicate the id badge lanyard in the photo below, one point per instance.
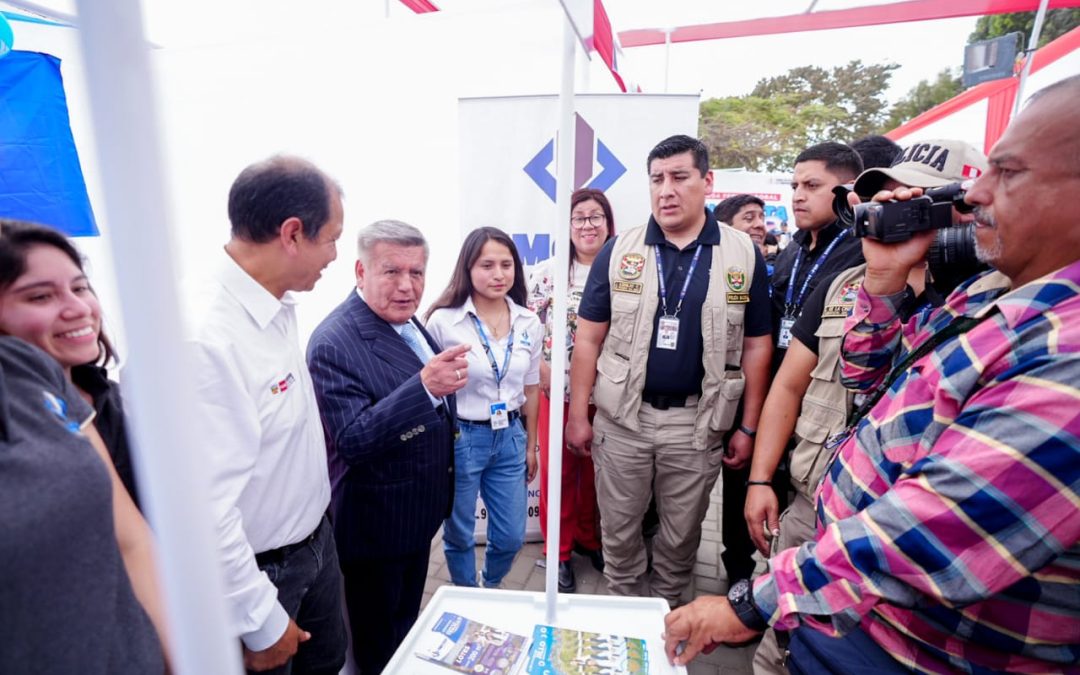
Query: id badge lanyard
497,407
667,328
790,314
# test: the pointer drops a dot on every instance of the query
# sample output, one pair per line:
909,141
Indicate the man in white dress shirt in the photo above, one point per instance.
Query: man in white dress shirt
258,421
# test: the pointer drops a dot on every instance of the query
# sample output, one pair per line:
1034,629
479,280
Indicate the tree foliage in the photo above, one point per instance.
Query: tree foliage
923,96
1057,23
854,88
928,94
766,129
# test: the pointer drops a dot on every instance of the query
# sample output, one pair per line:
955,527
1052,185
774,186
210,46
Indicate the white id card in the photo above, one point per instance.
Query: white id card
784,339
667,332
500,418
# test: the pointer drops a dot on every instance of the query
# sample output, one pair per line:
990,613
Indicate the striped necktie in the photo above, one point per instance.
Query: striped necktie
416,342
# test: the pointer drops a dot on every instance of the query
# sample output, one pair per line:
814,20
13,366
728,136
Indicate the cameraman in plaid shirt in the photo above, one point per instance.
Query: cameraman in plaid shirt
949,521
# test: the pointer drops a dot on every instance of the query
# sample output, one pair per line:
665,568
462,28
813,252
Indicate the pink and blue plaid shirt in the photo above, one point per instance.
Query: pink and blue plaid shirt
949,522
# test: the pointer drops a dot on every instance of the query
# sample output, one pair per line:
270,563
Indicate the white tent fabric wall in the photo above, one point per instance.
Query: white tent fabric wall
374,103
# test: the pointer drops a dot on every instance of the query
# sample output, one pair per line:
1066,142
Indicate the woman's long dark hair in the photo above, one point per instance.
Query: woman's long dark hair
17,239
460,286
583,195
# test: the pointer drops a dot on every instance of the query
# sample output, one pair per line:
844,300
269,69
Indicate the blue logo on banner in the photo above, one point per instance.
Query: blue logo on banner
588,147
537,169
532,250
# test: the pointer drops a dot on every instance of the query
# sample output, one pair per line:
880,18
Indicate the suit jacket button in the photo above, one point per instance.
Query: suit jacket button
420,428
404,437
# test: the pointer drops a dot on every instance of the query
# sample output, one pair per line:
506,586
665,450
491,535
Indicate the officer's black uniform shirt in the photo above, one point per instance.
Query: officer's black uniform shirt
678,372
848,253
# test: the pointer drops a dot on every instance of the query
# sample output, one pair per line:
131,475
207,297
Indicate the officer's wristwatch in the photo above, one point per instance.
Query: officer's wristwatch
741,597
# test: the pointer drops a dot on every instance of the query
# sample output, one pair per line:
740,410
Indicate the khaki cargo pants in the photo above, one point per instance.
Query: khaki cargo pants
630,467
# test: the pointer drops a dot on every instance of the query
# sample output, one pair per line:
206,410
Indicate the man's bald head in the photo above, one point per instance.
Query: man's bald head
1028,215
1063,100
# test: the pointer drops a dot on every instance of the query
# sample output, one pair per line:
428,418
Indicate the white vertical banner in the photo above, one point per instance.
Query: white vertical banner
508,168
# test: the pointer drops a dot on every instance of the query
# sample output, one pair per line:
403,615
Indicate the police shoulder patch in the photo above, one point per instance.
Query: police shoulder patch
631,266
849,292
736,279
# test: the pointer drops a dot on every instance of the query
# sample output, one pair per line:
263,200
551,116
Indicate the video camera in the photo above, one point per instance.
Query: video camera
895,221
951,258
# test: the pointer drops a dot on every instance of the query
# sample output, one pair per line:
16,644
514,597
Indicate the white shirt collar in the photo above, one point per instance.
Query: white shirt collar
259,303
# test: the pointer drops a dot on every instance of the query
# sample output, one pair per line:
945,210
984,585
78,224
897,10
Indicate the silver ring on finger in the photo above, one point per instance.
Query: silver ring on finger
457,374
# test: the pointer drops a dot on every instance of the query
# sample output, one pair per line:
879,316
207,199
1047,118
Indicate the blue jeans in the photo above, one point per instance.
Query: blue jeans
491,462
814,653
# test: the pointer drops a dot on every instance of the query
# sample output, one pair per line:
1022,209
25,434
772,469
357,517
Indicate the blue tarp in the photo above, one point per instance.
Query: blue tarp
40,176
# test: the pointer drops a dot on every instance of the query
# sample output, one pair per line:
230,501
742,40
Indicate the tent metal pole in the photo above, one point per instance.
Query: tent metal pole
667,57
1033,45
176,491
44,12
561,237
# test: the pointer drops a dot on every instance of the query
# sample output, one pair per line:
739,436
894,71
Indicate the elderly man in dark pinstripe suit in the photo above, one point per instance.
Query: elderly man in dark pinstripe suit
386,396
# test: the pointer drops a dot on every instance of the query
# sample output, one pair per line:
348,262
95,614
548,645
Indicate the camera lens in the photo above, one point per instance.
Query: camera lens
952,258
840,206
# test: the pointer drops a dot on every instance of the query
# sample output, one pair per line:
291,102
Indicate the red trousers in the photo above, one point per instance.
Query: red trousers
578,517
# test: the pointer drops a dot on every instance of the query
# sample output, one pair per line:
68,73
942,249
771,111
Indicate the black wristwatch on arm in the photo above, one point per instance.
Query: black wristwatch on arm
741,597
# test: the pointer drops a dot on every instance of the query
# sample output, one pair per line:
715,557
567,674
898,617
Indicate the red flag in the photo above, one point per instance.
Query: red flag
604,41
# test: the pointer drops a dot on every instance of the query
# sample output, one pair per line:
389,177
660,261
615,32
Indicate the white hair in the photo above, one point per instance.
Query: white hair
389,232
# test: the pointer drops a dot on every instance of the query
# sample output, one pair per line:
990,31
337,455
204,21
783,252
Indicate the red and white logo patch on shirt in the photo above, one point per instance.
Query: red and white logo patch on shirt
282,385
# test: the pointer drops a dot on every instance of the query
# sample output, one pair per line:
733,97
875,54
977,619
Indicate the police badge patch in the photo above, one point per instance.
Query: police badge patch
736,279
845,301
631,266
736,283
849,292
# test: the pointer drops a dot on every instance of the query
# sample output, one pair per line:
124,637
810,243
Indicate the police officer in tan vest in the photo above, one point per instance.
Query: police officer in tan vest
806,397
673,331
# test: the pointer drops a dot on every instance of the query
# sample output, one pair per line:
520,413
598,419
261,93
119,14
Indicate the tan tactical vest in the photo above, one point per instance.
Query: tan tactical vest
620,377
826,405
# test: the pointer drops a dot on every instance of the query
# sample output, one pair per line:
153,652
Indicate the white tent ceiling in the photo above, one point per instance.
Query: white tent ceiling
715,68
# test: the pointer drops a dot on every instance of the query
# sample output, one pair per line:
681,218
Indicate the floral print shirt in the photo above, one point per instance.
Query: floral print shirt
541,292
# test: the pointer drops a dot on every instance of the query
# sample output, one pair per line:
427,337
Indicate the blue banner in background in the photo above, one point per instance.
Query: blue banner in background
41,179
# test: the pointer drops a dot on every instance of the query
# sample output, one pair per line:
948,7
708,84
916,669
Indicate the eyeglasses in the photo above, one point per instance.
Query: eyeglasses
596,220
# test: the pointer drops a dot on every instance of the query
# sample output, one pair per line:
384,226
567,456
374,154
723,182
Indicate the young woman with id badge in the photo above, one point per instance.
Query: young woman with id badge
494,455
